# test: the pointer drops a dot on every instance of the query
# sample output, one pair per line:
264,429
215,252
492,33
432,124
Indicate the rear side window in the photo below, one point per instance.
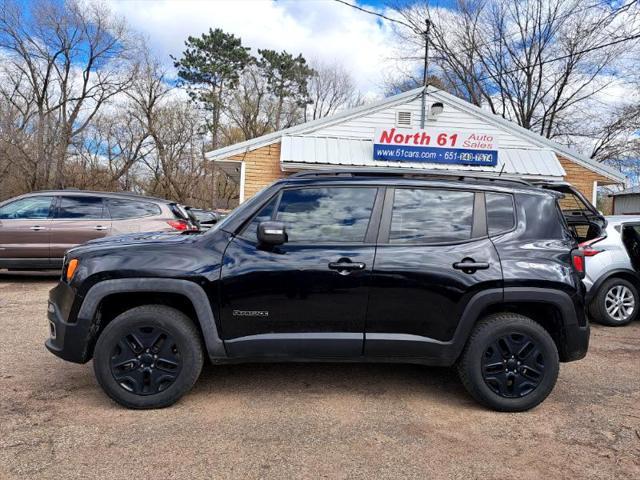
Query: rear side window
431,216
81,208
500,213
334,214
27,208
123,209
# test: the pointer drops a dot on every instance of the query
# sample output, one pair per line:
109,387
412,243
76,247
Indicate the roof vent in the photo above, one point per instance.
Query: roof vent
403,119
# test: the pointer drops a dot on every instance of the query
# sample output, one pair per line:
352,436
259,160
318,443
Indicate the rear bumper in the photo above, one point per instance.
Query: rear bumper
68,339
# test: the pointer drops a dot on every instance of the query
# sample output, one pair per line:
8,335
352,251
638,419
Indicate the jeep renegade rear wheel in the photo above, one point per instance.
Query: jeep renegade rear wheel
510,363
148,357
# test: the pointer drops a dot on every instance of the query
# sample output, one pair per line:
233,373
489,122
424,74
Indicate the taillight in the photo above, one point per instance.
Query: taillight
590,242
577,258
587,247
180,225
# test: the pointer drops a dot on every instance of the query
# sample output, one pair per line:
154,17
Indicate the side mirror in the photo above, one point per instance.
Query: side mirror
272,233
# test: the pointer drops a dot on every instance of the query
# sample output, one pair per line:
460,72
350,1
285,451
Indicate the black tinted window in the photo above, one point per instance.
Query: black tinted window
121,209
27,208
81,208
326,214
500,213
431,216
250,232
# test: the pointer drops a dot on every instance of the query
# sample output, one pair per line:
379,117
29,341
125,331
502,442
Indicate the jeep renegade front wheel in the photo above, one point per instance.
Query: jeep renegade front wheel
510,363
148,357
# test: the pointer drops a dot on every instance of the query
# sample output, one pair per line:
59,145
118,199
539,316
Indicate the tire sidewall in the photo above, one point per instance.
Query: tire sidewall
476,351
189,347
602,314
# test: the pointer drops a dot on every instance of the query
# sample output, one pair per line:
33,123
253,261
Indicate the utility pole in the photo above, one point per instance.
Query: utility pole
424,72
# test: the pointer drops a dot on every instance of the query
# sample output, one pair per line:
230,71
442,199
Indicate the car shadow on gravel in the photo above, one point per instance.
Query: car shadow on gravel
331,379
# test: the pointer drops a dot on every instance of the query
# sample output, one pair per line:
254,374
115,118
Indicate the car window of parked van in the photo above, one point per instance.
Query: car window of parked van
123,209
500,212
27,208
85,208
431,216
336,214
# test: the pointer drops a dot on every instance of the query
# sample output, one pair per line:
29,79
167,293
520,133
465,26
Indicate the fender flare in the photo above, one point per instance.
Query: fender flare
483,300
186,288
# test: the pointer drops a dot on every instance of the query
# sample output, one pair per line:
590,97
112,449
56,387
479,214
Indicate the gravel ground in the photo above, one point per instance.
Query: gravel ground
308,421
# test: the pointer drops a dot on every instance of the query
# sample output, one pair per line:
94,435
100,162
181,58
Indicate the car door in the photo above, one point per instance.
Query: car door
25,231
433,255
307,297
78,219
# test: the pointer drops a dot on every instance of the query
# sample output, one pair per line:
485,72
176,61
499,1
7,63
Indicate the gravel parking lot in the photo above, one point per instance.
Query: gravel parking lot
308,421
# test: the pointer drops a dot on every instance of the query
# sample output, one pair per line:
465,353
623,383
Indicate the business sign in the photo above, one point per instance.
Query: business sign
435,146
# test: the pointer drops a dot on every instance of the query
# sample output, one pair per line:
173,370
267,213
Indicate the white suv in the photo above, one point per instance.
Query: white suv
612,264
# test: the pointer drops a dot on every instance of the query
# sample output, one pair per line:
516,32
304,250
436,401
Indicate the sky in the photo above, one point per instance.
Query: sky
322,30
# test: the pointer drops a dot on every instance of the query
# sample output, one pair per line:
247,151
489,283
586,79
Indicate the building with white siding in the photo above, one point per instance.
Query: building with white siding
626,202
449,134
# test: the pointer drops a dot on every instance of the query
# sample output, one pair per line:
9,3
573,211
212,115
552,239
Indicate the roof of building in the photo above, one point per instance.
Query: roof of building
627,191
410,95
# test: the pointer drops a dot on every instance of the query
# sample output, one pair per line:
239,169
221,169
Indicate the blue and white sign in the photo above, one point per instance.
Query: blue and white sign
435,146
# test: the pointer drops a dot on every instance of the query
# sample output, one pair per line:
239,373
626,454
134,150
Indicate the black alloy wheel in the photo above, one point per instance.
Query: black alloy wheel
510,362
513,365
148,356
146,360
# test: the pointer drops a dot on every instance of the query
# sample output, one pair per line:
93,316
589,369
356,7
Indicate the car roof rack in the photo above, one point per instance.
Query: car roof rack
404,173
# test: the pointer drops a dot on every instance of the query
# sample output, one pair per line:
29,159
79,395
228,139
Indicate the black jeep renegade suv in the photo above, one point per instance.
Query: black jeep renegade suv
336,266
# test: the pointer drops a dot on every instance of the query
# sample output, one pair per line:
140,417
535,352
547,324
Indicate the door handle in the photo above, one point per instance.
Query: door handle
345,267
101,227
468,265
37,228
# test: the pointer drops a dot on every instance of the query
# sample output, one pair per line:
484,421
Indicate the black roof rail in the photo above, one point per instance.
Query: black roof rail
401,172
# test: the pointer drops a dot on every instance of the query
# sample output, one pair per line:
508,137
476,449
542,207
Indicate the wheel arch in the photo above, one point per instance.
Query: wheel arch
108,298
553,309
624,273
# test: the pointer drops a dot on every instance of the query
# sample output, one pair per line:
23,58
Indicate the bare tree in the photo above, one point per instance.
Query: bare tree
330,88
251,109
105,157
63,63
532,62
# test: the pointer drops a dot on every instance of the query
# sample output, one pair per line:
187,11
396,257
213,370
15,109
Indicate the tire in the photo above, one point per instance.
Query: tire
124,362
606,297
488,353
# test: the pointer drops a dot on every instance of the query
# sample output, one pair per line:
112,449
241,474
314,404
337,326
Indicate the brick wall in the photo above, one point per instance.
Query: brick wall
582,178
262,167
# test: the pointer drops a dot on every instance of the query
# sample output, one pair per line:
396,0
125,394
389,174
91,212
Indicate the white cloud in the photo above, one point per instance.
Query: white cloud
319,29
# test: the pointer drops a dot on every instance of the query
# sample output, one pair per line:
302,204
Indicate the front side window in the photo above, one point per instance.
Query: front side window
27,208
332,214
431,216
265,214
84,208
500,213
123,209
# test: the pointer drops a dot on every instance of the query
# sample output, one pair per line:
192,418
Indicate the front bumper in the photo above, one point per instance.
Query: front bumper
68,339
